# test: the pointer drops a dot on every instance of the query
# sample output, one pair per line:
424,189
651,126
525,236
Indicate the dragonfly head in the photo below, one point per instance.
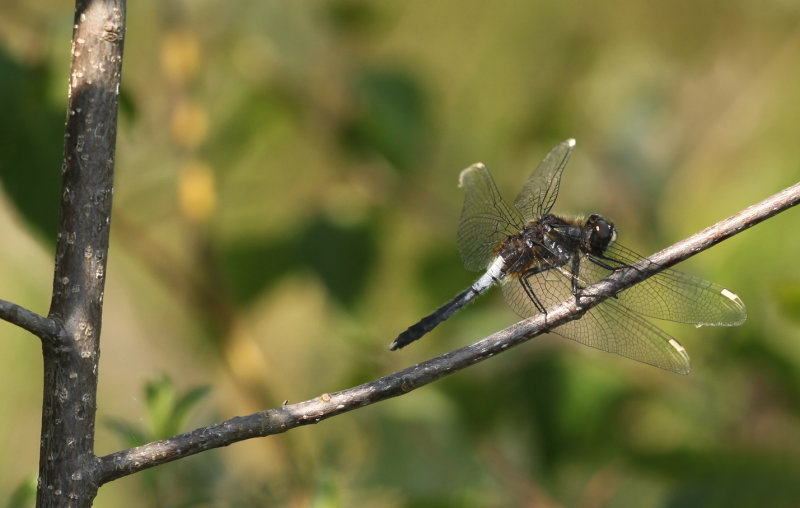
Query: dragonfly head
599,233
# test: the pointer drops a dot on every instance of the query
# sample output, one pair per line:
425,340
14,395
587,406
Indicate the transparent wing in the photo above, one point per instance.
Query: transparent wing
539,194
670,294
608,326
486,219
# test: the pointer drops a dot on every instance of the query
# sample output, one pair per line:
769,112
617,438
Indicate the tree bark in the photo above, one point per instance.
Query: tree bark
67,464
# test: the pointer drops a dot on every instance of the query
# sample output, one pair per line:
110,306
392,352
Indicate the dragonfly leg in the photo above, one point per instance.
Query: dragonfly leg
532,294
576,288
602,264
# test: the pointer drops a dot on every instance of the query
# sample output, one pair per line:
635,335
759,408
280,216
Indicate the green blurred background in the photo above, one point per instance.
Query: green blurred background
286,203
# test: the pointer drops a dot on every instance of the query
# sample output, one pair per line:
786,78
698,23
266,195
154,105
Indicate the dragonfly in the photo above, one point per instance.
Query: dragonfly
541,259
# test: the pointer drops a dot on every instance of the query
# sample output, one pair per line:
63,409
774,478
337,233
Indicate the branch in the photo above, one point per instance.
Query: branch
281,419
66,453
42,327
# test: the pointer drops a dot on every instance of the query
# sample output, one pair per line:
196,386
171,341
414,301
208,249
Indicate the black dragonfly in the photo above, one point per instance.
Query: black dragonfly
541,259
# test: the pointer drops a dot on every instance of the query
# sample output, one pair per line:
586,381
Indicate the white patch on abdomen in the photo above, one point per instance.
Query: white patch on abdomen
492,275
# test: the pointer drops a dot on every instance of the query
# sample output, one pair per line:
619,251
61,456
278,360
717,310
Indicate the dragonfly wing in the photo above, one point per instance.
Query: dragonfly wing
613,328
539,194
532,294
670,294
486,219
608,326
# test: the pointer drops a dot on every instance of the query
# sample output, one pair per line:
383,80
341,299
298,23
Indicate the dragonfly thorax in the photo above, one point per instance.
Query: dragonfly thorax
542,244
552,241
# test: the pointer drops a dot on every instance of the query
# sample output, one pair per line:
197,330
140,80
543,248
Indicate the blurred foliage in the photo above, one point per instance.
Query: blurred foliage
286,203
31,145
185,484
24,495
344,269
390,119
166,413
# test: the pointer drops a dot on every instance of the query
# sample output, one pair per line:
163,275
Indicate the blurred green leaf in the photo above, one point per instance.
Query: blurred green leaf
31,145
353,17
166,411
185,484
250,267
160,400
441,274
127,105
327,493
391,117
24,495
776,372
129,434
184,406
256,122
341,256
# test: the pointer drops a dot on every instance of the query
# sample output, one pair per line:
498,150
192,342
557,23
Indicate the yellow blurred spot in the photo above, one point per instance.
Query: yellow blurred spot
245,359
197,193
189,124
180,56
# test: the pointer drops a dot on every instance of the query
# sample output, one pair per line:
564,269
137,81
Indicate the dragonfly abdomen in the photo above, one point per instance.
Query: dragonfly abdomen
494,273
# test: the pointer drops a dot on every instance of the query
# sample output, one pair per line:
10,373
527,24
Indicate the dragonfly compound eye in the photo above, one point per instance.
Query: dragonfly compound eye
602,233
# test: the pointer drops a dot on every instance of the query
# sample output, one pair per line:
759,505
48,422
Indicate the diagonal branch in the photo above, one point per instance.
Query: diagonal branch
42,327
281,419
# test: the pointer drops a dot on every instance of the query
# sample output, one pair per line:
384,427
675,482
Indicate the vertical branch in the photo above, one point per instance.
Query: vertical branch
67,463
